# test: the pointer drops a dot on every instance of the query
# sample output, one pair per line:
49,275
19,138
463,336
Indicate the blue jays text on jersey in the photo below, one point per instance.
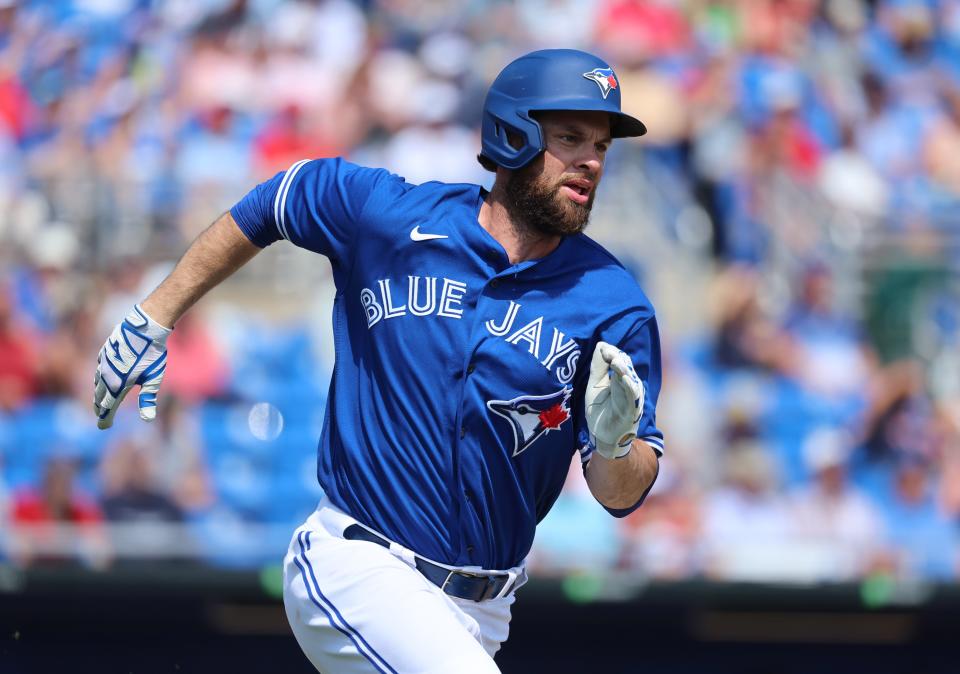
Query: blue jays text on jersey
457,395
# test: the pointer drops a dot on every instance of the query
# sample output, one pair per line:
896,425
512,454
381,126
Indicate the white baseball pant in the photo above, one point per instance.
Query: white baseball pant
357,607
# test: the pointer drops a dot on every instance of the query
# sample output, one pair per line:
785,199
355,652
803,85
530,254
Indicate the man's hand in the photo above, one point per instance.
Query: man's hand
614,401
134,354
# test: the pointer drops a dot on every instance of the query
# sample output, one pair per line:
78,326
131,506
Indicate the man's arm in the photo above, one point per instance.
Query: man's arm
216,254
619,484
135,353
622,468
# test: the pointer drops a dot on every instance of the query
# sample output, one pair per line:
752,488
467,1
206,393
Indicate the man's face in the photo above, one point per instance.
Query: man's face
554,193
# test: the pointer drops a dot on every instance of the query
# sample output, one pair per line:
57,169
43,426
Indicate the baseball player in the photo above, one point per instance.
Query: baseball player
481,340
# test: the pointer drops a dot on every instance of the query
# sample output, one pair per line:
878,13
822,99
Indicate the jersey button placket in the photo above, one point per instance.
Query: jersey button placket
467,499
467,515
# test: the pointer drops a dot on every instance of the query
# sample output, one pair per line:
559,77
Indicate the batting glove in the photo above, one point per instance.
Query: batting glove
134,354
614,401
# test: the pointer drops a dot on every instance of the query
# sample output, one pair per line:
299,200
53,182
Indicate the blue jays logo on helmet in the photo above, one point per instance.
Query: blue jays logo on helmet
532,416
604,78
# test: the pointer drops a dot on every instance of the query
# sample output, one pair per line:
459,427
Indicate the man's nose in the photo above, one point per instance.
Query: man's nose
590,161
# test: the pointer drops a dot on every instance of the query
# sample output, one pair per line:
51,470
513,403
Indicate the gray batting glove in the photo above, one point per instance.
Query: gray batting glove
134,354
614,401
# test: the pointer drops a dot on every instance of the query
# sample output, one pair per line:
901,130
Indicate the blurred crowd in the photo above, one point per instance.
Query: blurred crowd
793,212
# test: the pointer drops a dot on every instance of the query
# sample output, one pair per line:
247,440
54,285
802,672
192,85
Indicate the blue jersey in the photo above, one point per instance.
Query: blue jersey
457,395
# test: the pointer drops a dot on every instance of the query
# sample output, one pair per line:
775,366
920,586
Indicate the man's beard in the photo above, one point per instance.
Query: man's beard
540,208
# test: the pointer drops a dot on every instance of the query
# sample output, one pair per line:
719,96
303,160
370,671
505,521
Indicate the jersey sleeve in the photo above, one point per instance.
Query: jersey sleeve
315,204
643,347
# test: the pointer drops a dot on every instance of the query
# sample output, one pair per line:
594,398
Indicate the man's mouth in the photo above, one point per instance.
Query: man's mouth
578,190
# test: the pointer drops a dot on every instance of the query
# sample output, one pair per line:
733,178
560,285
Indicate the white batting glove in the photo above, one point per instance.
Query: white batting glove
134,354
614,401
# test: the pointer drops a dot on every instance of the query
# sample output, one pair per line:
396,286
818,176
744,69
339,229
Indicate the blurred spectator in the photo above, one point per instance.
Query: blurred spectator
635,30
850,182
783,141
835,56
832,516
899,419
179,462
71,341
144,520
923,539
548,23
214,151
16,107
900,44
19,376
661,538
745,336
215,165
435,151
44,288
196,366
889,137
746,523
120,287
291,136
54,523
333,31
830,356
941,146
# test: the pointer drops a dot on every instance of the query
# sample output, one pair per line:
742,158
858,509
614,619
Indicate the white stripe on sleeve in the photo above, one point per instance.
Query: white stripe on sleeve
654,442
279,201
585,453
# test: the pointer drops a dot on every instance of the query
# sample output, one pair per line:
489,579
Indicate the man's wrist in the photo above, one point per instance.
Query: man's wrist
156,314
611,451
146,324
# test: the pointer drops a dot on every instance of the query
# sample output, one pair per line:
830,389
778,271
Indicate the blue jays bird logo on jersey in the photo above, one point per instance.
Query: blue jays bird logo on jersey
532,416
604,78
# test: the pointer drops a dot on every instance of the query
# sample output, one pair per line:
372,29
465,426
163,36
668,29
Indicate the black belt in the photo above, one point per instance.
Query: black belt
462,584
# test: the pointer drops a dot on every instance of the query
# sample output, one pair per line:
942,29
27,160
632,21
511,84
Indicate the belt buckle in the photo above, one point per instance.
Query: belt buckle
507,586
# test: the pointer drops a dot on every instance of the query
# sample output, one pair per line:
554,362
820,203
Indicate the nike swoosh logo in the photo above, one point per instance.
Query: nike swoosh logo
417,235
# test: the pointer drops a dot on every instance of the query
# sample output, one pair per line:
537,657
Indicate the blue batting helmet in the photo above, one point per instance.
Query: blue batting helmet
550,79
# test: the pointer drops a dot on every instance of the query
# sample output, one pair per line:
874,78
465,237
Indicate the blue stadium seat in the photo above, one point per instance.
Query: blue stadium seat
241,483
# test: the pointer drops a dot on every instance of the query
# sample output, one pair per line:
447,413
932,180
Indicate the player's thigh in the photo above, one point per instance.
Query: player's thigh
354,607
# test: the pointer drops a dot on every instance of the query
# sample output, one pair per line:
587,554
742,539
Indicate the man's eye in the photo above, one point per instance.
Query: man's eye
567,138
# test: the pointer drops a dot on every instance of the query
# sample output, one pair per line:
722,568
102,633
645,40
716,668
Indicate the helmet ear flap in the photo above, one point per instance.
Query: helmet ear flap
511,143
502,135
508,135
